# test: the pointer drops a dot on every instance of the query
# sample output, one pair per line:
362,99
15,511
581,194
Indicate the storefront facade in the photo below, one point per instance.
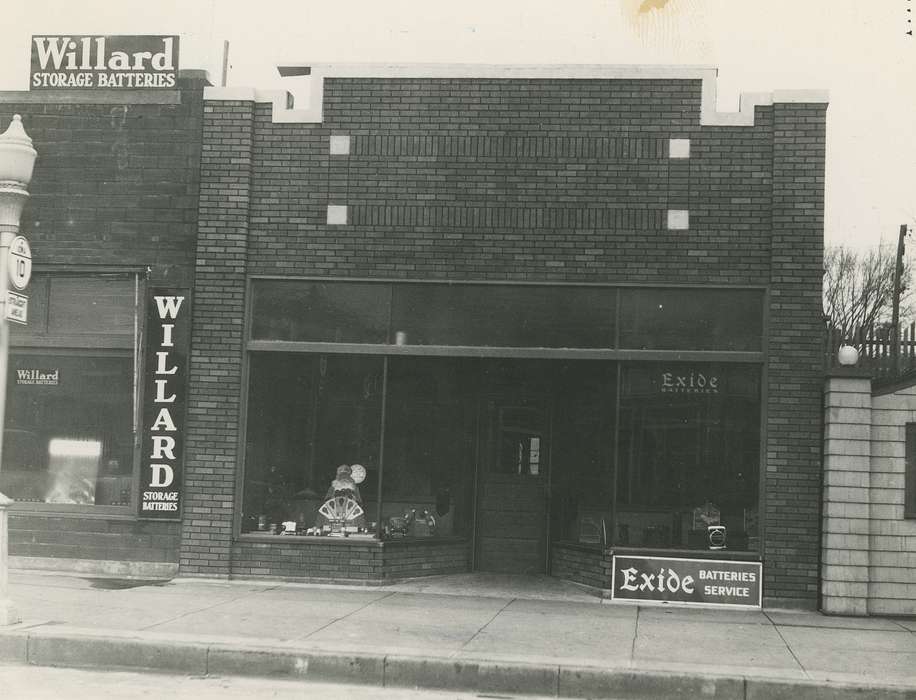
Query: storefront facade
112,223
505,319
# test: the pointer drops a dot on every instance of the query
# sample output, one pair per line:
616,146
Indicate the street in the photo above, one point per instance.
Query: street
47,683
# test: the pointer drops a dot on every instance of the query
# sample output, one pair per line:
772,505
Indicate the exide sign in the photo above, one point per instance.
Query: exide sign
120,62
645,578
165,396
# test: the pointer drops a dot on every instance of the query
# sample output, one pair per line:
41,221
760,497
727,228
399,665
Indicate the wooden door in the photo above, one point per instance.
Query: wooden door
512,509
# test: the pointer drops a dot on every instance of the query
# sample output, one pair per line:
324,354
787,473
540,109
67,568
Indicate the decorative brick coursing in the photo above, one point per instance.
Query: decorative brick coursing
115,185
216,341
592,567
795,367
535,181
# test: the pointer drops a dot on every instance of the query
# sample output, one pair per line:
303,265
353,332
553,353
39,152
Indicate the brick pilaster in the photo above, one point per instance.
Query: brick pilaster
795,356
217,342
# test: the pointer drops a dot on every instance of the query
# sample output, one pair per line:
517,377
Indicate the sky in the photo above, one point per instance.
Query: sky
857,50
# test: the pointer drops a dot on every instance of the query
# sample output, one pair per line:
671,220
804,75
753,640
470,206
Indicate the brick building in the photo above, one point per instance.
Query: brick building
508,319
450,318
112,216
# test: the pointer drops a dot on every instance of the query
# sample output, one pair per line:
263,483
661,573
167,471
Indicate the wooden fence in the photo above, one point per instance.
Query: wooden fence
876,349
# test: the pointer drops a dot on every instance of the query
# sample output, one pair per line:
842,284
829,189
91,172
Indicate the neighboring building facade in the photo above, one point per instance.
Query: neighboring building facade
549,312
112,217
869,509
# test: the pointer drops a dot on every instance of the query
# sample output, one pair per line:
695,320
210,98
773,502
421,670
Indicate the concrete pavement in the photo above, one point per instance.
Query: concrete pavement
493,634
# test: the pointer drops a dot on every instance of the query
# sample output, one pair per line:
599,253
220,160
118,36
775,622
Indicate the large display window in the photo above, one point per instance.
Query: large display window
689,450
313,430
417,429
430,446
71,393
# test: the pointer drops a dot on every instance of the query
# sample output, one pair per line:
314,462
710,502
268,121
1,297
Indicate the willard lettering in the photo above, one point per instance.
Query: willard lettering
104,62
91,53
38,376
163,429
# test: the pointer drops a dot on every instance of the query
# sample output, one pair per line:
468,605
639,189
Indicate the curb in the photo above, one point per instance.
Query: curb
77,650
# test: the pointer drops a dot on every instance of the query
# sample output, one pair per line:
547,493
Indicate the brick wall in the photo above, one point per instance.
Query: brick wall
324,560
582,565
794,369
115,185
328,559
527,180
86,536
216,341
426,558
116,178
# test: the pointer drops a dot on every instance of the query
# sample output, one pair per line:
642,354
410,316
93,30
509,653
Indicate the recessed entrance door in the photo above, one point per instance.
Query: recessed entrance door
514,453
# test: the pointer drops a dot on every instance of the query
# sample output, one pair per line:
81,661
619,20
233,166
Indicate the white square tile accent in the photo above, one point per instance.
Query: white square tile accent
678,219
678,148
337,214
340,145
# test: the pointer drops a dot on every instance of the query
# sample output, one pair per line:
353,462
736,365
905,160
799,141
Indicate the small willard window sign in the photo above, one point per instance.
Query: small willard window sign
700,582
119,62
34,377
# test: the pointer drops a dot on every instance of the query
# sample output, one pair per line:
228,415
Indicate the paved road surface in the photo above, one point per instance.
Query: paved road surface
44,683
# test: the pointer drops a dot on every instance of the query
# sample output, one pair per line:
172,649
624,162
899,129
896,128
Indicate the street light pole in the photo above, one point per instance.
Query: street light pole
17,159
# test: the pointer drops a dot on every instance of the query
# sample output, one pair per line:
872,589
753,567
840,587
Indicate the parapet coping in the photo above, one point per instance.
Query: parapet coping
283,110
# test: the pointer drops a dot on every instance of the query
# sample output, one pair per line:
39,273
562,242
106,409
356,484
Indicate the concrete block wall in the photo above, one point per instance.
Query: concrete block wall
115,187
892,538
869,546
846,496
534,180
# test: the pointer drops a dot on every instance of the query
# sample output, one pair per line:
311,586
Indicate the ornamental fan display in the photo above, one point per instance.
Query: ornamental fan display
341,509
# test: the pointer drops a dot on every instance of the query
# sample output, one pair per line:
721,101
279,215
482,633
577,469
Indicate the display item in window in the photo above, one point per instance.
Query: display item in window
342,511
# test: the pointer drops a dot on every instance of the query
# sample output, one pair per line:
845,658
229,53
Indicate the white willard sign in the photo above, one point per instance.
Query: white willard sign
119,62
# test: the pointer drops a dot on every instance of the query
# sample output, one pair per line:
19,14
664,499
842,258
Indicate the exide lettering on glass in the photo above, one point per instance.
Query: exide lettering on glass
163,429
691,383
132,62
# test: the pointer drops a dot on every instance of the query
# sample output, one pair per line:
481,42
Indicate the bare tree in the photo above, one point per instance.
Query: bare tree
859,287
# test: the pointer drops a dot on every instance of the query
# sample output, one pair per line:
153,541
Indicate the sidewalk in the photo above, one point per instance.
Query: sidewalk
488,634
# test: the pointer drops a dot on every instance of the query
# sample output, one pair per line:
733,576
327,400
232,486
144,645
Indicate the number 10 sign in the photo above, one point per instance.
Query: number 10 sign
20,263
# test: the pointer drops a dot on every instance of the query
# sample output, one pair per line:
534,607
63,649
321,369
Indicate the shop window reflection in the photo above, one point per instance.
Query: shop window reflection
309,416
69,432
429,447
688,456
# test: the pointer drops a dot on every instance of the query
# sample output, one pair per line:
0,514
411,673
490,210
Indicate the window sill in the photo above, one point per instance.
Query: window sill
72,510
352,540
296,540
732,554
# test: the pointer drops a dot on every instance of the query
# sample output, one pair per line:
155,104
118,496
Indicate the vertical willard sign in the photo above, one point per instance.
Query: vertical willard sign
168,332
